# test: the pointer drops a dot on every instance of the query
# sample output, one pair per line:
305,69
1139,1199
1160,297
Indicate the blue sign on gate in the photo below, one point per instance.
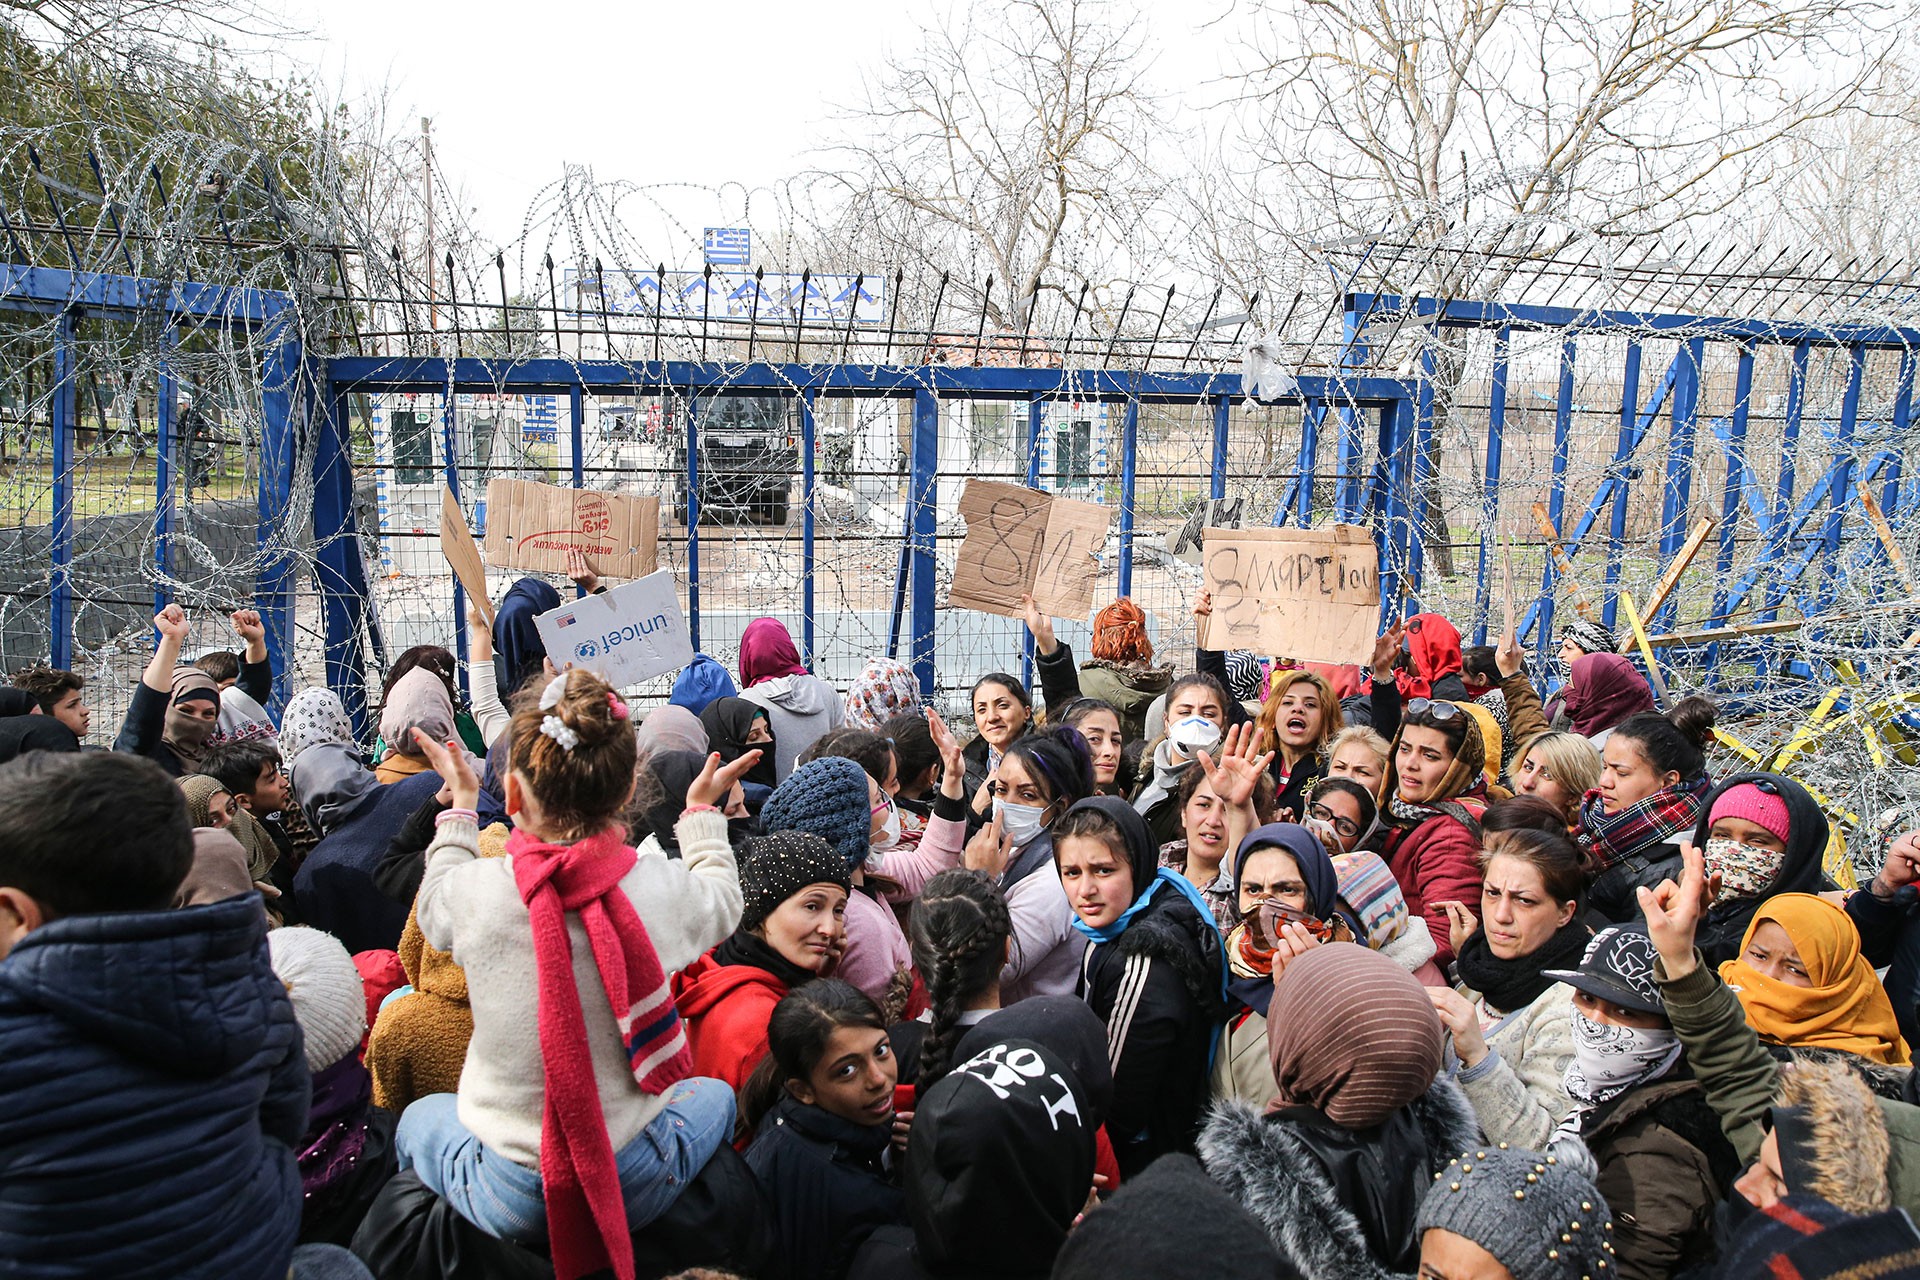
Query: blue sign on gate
728,246
541,425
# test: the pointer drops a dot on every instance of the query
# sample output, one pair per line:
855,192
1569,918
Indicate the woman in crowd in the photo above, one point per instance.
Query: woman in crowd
417,700
1652,792
1511,1037
834,798
700,683
919,763
210,804
1155,973
907,850
1645,1122
520,653
1434,661
1099,723
800,707
1359,1120
1120,672
672,728
1803,983
175,708
1042,776
1301,715
1762,835
570,890
1560,768
1507,1214
962,934
1002,708
438,661
1605,690
1197,710
1342,812
1359,753
736,726
885,689
792,929
1219,804
821,1110
1285,864
1435,796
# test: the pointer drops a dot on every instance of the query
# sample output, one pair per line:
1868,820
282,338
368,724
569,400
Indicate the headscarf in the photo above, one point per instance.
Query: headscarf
330,784
1120,634
1343,678
517,647
1606,688
418,700
23,733
699,683
313,716
1149,877
1490,739
767,652
1250,973
674,771
728,721
260,849
1434,645
1352,1035
1845,1008
1463,775
886,688
671,728
219,870
184,735
1590,637
241,718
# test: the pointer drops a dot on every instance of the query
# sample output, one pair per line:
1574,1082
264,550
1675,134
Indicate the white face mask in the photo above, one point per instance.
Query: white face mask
1609,1060
1193,735
890,833
1020,822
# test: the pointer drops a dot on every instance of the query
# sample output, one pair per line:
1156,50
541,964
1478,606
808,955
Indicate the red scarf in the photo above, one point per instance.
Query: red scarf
586,1213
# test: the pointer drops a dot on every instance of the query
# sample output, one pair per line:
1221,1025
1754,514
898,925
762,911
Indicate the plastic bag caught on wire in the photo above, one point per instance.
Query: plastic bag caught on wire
1263,374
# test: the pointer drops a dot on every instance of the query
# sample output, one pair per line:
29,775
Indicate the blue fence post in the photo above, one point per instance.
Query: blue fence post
60,598
163,509
1617,527
1777,528
1222,423
1902,418
1309,463
1035,413
1490,488
693,518
450,473
923,499
577,442
339,570
1840,490
807,430
1677,495
1390,509
1736,478
284,401
1129,476
1556,494
1421,520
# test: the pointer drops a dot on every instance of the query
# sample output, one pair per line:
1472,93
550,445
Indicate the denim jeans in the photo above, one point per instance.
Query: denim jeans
505,1200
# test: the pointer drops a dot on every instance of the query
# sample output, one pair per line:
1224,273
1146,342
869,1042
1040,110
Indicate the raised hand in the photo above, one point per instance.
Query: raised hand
247,625
1509,656
1385,650
171,623
1901,868
716,780
1673,912
1237,774
1462,1022
583,577
479,635
1461,923
1203,604
1044,641
450,761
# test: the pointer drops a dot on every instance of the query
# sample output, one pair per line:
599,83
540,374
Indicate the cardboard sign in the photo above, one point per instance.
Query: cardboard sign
1213,513
463,553
1307,594
533,526
624,635
1024,541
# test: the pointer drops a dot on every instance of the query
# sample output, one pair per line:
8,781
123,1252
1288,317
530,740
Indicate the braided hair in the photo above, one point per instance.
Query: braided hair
960,935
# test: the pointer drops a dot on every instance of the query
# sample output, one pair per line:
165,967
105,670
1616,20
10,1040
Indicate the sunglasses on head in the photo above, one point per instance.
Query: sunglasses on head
1438,708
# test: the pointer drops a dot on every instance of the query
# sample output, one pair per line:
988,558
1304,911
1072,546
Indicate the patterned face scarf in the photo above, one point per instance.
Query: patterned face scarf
1745,870
1641,826
1609,1060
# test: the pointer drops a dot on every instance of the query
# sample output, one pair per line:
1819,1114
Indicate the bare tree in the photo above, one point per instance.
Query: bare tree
1012,144
1485,133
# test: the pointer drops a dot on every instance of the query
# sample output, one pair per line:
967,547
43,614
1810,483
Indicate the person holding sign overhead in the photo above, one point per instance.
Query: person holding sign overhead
1121,672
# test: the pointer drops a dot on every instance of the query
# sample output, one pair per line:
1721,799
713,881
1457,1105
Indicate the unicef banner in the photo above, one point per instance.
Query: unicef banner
624,635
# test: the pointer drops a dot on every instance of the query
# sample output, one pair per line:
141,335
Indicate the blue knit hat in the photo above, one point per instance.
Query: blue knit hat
827,797
701,681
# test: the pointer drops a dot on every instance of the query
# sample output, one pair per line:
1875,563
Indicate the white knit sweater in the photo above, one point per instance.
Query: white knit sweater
469,906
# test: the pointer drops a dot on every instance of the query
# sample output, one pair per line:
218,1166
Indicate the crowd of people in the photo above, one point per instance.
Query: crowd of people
1241,967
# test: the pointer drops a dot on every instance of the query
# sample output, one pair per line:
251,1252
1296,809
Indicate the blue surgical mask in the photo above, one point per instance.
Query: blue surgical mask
1020,822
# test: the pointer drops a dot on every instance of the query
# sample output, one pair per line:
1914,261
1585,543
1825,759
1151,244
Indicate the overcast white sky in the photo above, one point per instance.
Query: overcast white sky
723,91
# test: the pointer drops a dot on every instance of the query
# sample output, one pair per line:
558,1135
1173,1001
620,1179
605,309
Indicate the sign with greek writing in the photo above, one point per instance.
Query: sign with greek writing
1308,594
624,635
1024,541
533,526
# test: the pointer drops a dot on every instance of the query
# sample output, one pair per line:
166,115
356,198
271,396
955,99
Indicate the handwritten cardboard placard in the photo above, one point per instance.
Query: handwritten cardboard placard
533,526
1308,594
1025,541
463,553
624,635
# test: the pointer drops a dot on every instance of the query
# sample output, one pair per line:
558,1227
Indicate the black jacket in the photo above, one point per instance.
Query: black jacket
827,1185
1890,940
147,717
1157,987
1339,1203
1664,1166
720,1221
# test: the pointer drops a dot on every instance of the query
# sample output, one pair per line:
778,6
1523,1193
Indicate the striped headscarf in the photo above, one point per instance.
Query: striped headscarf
1352,1035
